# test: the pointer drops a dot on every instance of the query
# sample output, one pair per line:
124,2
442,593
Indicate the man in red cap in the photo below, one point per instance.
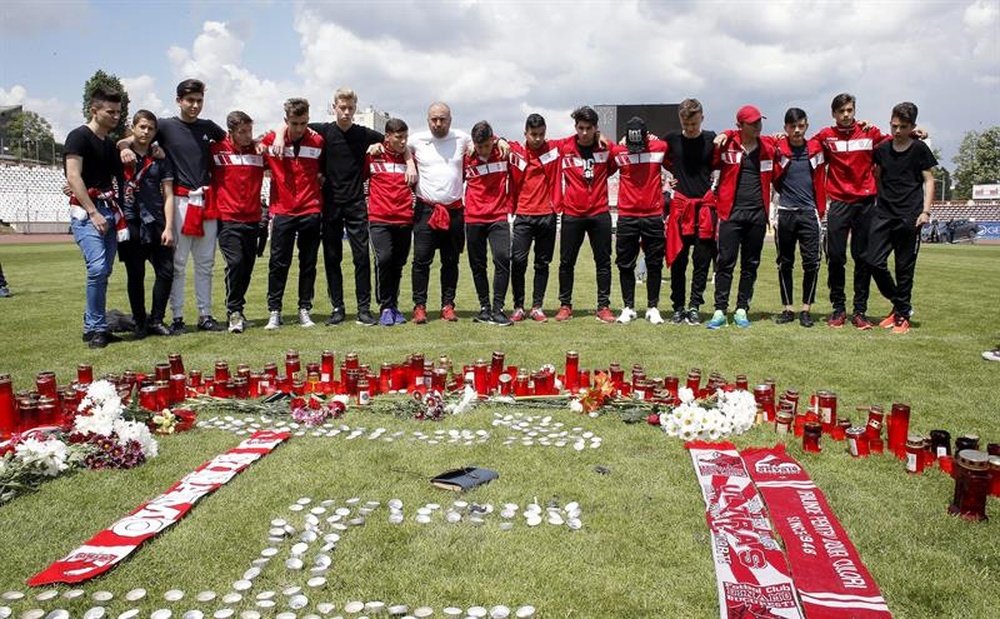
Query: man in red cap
745,160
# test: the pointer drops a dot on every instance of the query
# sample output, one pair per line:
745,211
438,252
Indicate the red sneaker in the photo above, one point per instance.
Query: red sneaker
419,315
901,326
861,322
604,314
565,313
518,315
888,321
837,319
538,315
448,313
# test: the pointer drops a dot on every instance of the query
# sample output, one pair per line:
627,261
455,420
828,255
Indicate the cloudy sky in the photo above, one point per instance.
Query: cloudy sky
500,60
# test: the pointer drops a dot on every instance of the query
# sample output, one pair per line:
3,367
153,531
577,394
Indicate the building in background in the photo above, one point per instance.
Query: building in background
661,118
372,118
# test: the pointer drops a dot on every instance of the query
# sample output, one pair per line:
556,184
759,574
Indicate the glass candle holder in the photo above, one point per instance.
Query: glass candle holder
694,380
178,388
826,408
617,375
857,442
221,372
764,395
742,382
914,459
967,441
27,411
840,431
783,422
876,416
972,485
161,371
572,377
521,383
84,373
671,384
8,409
995,476
176,363
479,380
899,428
811,433
327,363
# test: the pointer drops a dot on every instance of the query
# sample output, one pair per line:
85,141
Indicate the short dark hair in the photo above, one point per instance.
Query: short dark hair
395,125
841,100
104,94
482,132
794,115
236,118
144,115
584,114
905,111
689,107
190,86
534,121
296,106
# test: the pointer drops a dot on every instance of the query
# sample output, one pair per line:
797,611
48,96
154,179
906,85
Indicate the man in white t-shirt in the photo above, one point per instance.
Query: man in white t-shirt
439,222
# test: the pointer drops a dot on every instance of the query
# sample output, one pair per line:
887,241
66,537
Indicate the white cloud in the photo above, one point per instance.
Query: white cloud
63,116
142,95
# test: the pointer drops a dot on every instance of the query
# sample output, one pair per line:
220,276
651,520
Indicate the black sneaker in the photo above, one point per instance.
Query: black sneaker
806,319
88,335
336,317
365,318
785,317
208,323
158,328
5,292
140,331
484,315
98,339
177,327
500,318
111,338
677,318
692,317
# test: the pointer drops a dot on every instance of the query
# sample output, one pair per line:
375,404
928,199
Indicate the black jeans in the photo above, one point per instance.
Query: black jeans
633,233
238,244
285,229
391,246
845,220
598,231
497,234
902,238
135,254
542,230
798,226
703,252
353,217
426,241
742,234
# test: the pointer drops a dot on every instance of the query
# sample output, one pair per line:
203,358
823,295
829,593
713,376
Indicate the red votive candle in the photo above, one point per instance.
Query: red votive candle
572,378
327,365
914,454
84,373
352,362
8,410
742,382
873,428
995,476
671,383
972,485
764,395
293,365
479,377
522,385
178,388
810,437
161,371
221,372
617,375
899,428
792,395
783,422
27,414
176,363
694,381
840,431
826,402
857,442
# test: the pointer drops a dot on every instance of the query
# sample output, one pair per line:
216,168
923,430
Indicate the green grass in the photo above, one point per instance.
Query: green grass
643,550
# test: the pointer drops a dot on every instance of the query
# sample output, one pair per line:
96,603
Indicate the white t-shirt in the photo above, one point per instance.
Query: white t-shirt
439,165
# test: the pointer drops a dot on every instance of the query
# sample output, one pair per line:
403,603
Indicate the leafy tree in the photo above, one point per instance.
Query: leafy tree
942,178
977,161
29,136
108,80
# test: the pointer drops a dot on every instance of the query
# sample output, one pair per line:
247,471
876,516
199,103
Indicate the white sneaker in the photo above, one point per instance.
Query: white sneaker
304,319
628,315
273,321
653,316
236,322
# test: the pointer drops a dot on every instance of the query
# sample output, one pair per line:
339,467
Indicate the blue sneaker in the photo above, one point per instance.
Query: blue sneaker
718,320
397,317
386,318
741,320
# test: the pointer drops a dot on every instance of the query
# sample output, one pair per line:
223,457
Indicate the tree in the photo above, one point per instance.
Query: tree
977,161
108,80
29,136
942,178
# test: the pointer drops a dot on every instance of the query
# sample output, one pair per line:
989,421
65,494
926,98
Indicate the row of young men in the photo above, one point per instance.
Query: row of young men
543,176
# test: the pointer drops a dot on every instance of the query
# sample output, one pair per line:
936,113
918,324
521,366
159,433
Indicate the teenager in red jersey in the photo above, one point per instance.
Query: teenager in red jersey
746,163
296,204
640,216
487,204
237,176
390,217
586,167
905,180
534,191
799,176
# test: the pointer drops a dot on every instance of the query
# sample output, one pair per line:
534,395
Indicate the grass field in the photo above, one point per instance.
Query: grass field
643,550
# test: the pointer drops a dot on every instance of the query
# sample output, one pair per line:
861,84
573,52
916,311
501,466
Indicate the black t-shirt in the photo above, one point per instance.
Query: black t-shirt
101,162
691,162
748,191
344,160
142,204
587,154
900,178
187,145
